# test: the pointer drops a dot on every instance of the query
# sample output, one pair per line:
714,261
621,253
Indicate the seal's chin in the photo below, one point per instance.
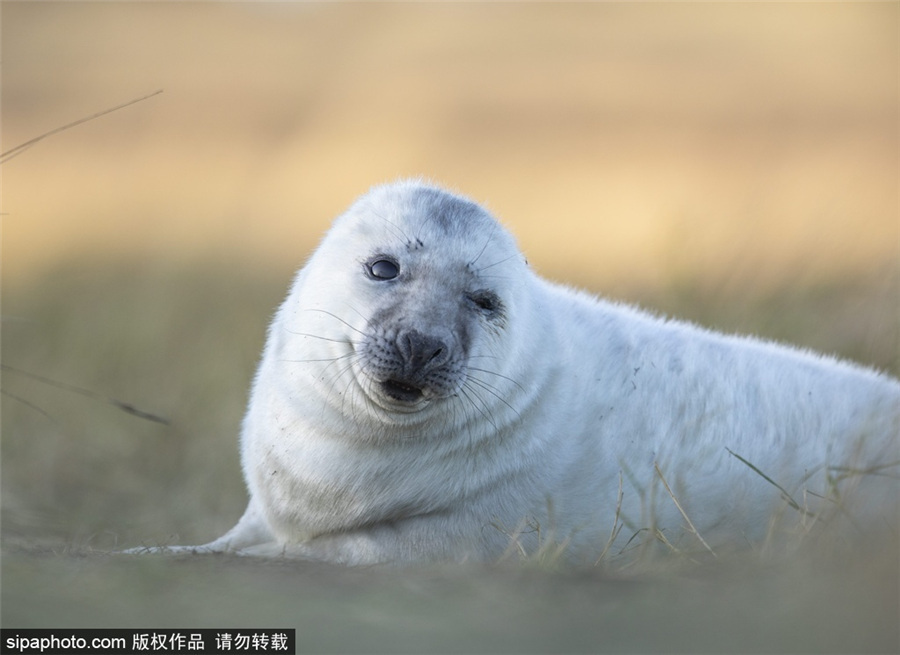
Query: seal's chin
401,391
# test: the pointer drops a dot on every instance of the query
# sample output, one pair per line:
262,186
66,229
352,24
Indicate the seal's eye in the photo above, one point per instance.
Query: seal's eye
384,269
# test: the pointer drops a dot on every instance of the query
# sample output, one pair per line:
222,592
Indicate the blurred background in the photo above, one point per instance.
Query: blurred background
735,164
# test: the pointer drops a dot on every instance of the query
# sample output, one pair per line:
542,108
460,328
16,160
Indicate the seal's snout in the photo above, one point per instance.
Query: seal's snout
418,356
421,353
410,365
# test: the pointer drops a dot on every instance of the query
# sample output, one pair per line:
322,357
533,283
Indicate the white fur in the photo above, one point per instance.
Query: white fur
566,400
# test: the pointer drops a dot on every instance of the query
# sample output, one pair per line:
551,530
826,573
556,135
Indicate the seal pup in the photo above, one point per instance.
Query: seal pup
424,395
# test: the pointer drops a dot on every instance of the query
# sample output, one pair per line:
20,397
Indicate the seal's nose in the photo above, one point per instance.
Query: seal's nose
421,352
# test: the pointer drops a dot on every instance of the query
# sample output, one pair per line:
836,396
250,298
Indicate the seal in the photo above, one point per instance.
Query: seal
424,395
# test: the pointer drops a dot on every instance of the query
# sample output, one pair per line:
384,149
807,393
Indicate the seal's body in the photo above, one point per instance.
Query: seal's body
424,395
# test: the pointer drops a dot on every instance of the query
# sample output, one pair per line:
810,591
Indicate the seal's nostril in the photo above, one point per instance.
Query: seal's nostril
420,351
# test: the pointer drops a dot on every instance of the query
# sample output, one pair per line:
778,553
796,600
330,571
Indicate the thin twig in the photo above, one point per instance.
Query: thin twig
616,529
28,404
514,543
790,500
661,538
18,150
683,513
850,472
125,407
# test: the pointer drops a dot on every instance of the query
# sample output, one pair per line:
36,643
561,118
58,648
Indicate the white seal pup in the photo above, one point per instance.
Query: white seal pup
423,395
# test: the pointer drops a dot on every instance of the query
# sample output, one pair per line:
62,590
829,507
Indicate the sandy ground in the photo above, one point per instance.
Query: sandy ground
829,606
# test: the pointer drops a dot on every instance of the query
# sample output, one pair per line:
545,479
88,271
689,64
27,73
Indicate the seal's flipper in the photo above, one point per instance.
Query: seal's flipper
250,530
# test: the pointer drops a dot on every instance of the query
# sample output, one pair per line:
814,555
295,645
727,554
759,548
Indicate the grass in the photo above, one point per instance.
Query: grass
81,477
687,519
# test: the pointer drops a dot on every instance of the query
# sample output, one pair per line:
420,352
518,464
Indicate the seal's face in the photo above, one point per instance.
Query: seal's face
417,293
418,343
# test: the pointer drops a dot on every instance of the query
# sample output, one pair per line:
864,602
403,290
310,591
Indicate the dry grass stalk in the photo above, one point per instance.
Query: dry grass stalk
683,513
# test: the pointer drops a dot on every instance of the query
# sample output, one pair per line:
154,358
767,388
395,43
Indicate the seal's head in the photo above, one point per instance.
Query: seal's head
404,304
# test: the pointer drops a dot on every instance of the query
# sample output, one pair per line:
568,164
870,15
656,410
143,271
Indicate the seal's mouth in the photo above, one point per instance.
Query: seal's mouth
401,391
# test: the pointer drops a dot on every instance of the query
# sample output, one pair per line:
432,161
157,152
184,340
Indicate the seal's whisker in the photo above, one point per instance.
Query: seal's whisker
493,277
398,231
499,375
331,361
481,406
493,391
497,263
487,242
340,372
316,336
358,313
335,316
324,359
348,388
